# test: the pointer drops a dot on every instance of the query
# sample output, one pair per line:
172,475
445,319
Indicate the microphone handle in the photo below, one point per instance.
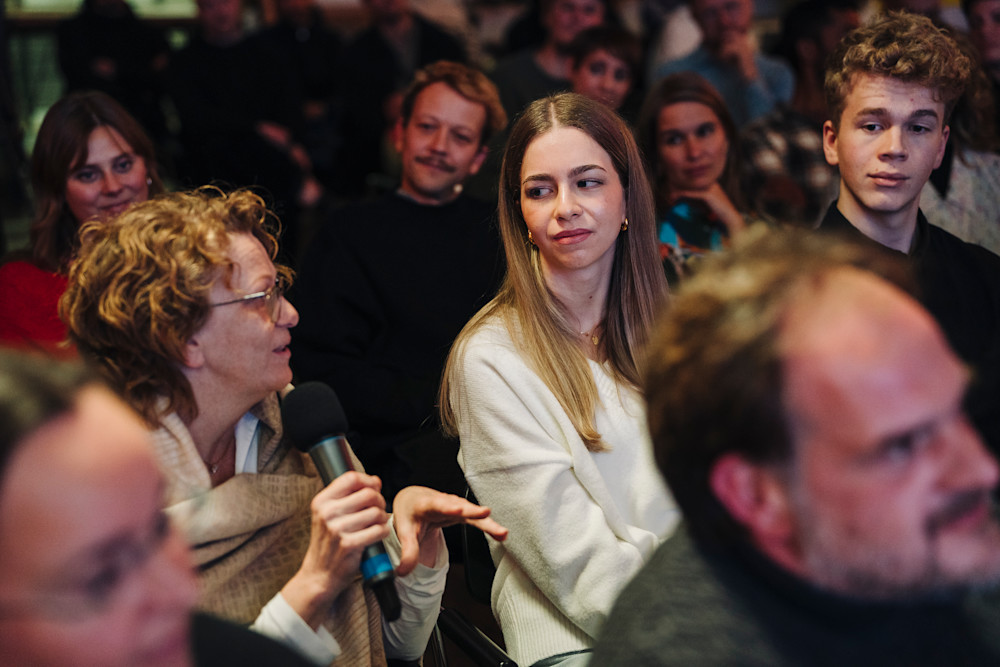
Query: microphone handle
332,460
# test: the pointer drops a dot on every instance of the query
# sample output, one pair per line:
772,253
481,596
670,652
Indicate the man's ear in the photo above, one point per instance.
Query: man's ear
830,143
477,162
754,496
945,133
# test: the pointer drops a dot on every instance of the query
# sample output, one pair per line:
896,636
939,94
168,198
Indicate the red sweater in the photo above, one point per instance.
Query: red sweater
29,299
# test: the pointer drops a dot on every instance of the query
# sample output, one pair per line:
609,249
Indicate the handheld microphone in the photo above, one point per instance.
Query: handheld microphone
315,422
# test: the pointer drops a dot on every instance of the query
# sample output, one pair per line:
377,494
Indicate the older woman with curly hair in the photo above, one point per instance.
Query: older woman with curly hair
91,161
180,303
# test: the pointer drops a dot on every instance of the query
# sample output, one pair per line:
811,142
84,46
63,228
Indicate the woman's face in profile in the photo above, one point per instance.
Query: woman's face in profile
692,145
111,178
572,202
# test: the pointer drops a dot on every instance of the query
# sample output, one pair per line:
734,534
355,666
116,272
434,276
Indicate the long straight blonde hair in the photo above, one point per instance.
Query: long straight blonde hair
536,320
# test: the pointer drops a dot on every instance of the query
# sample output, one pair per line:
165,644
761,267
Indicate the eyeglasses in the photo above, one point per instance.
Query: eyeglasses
271,296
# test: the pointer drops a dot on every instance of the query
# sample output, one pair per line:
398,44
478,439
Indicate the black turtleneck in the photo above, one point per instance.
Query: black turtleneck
693,605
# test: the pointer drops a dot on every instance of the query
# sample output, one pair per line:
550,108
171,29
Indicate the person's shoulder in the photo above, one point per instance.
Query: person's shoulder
358,218
511,64
674,612
491,334
20,270
216,642
942,241
772,64
693,62
473,208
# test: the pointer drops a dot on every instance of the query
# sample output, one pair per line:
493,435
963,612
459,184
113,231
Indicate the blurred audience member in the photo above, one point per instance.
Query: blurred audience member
807,415
750,82
91,161
689,140
302,36
530,74
784,170
106,47
92,571
984,29
376,68
240,110
963,194
670,33
388,284
605,65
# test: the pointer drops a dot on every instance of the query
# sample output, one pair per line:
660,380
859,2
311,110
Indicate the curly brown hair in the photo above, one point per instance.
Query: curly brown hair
904,46
140,289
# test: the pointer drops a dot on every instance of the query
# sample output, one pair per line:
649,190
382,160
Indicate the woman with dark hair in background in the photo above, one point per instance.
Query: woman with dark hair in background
606,63
91,161
689,141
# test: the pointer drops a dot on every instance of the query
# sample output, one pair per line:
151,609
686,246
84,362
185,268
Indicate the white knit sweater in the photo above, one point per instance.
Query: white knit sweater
581,523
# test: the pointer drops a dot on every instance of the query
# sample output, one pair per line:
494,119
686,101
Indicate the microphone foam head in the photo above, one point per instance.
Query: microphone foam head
312,412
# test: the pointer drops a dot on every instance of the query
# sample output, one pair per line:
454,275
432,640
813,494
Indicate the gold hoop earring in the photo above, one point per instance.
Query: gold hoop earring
625,225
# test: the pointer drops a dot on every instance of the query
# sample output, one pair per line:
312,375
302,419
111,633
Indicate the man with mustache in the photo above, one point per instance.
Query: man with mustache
387,284
807,415
890,89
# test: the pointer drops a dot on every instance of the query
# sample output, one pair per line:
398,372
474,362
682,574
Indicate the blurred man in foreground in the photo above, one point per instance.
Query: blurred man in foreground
807,415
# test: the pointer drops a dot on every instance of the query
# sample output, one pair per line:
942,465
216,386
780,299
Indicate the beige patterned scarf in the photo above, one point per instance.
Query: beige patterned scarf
249,534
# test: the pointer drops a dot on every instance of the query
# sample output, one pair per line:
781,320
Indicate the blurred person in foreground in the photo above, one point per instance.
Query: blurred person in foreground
92,571
807,415
180,303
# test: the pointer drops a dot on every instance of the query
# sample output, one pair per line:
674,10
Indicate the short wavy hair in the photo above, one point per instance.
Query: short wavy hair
140,289
60,148
468,82
903,46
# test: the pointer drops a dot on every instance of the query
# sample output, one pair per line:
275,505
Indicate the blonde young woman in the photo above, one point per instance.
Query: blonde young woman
541,384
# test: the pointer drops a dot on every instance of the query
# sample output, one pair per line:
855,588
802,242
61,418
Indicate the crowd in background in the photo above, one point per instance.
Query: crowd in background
416,179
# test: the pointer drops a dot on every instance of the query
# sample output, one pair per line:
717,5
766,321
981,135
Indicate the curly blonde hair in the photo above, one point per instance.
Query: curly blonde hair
140,289
906,47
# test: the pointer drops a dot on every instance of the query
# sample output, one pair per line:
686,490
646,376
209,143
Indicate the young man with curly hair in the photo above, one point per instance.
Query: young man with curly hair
890,88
